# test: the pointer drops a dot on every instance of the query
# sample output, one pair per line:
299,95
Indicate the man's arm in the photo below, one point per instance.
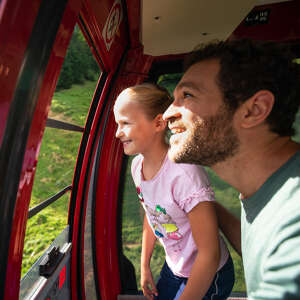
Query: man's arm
148,243
230,226
205,233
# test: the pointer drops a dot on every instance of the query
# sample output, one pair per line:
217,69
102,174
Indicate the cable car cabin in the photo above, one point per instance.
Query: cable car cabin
131,41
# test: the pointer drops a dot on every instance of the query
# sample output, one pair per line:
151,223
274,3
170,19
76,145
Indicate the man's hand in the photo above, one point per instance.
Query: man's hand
147,284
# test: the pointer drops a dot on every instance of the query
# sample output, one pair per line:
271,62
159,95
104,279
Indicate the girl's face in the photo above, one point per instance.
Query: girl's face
135,130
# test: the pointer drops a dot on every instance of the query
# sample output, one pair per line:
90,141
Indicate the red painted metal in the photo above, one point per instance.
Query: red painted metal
95,14
16,26
16,23
62,277
89,155
17,20
134,22
135,69
283,25
108,182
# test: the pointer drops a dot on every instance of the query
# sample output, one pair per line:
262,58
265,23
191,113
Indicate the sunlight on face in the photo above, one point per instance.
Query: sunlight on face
210,140
135,130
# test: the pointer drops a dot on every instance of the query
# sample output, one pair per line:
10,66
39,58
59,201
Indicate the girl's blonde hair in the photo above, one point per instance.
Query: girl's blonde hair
153,98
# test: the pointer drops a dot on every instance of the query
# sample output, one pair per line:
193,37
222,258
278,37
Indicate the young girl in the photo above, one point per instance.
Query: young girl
178,202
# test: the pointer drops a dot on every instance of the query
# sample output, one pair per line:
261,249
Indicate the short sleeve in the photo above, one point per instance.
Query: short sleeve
192,187
135,168
281,271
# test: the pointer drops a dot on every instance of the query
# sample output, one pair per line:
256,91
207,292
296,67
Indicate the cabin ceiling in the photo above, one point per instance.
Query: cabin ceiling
177,26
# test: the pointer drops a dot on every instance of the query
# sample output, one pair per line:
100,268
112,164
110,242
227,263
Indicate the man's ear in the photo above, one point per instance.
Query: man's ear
160,123
256,109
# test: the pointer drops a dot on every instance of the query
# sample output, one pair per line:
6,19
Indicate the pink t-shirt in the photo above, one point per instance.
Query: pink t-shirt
167,199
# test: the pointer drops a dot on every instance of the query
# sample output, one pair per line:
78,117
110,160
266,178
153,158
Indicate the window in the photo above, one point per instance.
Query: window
132,214
59,148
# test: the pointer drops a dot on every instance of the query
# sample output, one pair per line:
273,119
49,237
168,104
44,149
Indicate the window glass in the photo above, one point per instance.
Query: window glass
59,148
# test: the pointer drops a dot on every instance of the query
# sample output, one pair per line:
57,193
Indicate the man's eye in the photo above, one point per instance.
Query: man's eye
187,95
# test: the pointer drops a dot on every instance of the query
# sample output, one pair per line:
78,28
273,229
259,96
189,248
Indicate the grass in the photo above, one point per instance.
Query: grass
55,171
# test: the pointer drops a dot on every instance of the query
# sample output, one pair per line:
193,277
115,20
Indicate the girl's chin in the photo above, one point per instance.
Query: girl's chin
128,151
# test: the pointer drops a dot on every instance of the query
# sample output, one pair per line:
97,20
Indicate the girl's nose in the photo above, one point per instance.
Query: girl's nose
118,132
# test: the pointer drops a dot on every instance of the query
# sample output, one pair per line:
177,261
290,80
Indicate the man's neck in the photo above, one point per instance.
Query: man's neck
255,163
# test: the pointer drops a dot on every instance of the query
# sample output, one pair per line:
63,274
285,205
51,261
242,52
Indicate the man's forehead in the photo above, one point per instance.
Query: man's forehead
194,77
190,84
187,84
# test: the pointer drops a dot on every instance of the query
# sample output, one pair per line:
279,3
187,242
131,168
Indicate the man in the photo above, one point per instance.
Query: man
233,111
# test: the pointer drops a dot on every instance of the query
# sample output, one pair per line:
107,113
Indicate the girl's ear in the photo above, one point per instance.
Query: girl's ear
256,109
160,123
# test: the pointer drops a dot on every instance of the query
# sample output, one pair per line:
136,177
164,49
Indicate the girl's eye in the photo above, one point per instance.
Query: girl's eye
122,123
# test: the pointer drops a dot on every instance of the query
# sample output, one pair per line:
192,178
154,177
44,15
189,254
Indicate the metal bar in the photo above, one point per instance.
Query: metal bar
63,125
35,210
238,296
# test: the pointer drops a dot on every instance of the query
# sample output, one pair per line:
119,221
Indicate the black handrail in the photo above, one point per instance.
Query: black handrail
63,125
35,210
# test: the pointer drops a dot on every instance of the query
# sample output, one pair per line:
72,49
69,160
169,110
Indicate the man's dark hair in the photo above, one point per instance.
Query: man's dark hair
248,66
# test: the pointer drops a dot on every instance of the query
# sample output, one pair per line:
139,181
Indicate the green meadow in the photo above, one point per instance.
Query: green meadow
55,171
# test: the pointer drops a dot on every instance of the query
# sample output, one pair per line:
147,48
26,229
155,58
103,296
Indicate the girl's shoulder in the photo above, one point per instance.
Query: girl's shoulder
191,172
136,162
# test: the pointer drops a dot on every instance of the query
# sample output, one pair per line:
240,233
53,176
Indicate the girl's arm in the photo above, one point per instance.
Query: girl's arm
204,227
148,243
230,226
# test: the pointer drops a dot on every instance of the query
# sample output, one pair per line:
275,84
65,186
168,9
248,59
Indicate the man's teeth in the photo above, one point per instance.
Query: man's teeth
177,130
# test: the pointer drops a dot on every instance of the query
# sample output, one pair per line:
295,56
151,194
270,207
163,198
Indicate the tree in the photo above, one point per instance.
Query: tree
79,63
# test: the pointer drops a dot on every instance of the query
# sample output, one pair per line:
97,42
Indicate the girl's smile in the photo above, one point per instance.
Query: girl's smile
135,130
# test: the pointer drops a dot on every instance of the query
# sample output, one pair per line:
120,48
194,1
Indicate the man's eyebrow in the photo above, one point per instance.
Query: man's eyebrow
188,84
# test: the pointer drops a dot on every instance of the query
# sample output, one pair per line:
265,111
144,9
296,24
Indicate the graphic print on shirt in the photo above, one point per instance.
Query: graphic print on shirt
162,223
140,195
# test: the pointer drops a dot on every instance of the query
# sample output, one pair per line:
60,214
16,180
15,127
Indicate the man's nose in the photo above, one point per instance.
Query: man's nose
171,113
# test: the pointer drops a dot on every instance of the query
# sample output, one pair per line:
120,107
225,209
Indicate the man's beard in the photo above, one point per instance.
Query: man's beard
212,140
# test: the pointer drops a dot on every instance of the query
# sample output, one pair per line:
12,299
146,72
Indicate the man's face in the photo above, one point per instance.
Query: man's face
201,124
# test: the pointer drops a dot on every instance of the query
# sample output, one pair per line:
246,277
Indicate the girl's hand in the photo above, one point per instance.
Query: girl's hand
147,284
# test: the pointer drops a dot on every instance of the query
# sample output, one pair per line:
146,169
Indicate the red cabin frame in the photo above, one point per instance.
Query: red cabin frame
34,36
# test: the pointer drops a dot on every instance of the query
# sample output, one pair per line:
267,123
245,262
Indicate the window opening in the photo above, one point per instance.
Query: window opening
224,193
48,213
133,213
